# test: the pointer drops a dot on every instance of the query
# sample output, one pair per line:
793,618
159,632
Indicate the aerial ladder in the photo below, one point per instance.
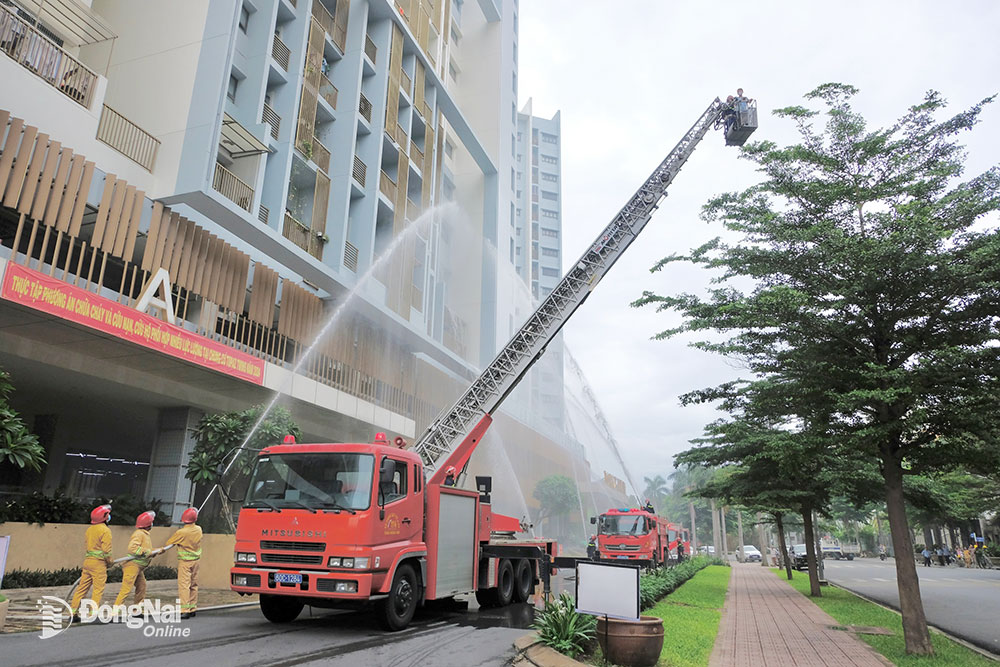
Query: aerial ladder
450,439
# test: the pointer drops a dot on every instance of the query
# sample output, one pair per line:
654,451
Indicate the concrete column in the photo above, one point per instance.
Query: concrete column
174,443
725,534
739,523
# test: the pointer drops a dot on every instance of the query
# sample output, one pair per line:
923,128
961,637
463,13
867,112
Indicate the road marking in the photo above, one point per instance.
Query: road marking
884,581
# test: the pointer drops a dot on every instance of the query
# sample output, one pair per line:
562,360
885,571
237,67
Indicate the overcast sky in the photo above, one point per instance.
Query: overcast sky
631,77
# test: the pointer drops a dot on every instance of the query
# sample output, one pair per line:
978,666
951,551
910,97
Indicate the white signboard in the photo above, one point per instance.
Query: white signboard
607,590
4,544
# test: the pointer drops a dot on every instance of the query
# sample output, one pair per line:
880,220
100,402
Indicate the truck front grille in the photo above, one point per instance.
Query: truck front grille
293,546
298,559
622,547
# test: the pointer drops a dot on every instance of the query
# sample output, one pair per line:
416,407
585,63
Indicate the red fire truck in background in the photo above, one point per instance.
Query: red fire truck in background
637,535
331,525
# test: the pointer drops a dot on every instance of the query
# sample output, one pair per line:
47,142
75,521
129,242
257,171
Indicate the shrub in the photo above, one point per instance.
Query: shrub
66,576
654,585
561,627
41,509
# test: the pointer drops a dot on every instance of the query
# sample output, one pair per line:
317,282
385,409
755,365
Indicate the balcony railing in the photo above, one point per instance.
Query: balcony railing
36,53
370,49
328,91
360,170
127,138
365,107
412,209
416,154
323,17
320,155
427,111
232,187
280,53
271,118
402,138
296,232
387,186
351,256
406,82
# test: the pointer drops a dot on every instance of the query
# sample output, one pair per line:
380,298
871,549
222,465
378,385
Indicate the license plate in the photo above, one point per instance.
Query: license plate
282,578
623,557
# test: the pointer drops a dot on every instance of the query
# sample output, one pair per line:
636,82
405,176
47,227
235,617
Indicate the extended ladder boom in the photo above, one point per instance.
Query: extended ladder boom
528,343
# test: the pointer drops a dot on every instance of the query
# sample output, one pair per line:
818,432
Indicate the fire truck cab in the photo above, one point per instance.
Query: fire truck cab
634,535
335,525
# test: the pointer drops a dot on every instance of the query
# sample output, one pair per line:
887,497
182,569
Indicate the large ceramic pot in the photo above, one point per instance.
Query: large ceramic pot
3,612
631,643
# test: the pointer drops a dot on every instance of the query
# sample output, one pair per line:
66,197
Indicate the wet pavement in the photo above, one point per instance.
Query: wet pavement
456,635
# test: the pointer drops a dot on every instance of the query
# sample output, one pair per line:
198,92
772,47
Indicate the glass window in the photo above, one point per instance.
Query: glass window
622,525
327,480
244,18
234,83
392,480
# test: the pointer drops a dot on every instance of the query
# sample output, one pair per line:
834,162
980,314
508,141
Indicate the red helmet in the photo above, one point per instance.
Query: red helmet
190,515
100,514
145,520
450,472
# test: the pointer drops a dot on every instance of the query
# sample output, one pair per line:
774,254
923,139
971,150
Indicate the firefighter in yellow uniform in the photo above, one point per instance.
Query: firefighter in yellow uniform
98,558
140,547
188,541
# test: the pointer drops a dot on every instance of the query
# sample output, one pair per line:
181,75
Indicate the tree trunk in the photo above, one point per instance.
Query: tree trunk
915,633
782,547
694,536
716,542
763,542
725,534
810,538
820,568
739,527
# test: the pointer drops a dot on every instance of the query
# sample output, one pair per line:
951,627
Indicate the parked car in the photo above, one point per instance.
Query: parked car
800,561
706,550
750,554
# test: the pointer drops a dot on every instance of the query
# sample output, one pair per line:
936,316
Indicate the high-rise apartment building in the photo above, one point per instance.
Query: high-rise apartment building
198,187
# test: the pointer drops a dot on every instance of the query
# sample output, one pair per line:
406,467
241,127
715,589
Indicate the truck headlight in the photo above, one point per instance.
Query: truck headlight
361,563
333,562
346,587
242,557
240,580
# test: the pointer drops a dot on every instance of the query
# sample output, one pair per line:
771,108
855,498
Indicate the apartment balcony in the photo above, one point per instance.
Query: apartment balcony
402,138
416,155
296,232
323,17
360,171
280,53
387,186
320,155
370,49
27,46
406,82
271,118
232,187
328,91
412,209
127,138
365,107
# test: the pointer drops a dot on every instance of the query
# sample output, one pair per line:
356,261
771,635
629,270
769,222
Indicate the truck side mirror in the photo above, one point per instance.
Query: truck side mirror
593,519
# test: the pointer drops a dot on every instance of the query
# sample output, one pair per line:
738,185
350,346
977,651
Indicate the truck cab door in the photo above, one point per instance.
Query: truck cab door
402,503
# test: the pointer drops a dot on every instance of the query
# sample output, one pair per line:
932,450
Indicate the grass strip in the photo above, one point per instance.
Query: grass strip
691,617
848,609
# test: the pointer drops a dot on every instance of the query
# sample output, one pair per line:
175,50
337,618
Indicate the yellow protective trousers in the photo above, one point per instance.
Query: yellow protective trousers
132,576
187,585
95,573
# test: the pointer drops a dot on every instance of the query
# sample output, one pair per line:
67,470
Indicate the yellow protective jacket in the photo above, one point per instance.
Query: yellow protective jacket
140,546
98,541
188,541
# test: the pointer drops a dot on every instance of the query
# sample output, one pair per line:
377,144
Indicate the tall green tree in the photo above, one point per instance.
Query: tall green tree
557,495
875,286
231,440
656,491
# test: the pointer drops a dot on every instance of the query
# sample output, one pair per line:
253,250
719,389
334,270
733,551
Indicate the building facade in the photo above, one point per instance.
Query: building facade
206,204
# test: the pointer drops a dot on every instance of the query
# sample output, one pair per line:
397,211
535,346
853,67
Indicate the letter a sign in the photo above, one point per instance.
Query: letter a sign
165,304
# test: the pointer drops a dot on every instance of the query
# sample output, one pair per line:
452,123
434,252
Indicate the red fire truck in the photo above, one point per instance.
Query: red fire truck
637,535
330,525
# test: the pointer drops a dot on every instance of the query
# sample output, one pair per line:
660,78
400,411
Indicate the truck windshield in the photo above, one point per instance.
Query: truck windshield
318,481
622,525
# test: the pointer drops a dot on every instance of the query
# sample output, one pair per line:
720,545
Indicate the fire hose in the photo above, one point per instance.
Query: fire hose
123,559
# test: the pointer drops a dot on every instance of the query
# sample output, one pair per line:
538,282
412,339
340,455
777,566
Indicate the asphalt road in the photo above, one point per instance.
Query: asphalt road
963,602
453,637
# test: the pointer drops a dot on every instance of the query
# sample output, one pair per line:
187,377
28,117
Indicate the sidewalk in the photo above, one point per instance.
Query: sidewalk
767,622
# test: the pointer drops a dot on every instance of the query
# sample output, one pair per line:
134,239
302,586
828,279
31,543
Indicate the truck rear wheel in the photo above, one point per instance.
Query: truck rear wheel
395,611
523,580
279,608
505,583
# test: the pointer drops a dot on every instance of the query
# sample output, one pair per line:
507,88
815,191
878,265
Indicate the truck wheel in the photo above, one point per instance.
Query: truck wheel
279,608
395,611
486,597
523,579
505,583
